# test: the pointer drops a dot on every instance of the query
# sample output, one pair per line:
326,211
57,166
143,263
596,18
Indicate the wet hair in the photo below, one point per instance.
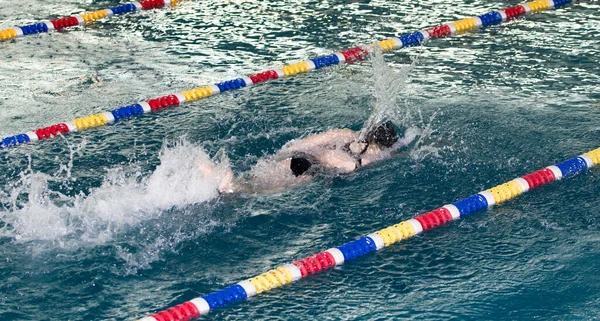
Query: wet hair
384,135
300,165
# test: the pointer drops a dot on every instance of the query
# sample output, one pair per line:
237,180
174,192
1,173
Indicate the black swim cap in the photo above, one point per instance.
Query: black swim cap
299,165
384,135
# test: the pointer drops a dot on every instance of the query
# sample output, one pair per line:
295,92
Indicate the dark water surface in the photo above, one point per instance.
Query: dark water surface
101,226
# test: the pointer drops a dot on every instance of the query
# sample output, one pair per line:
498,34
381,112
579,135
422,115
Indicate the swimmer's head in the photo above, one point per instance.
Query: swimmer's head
384,135
299,165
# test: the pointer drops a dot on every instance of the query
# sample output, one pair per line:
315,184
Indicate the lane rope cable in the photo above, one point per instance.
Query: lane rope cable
376,241
83,19
345,57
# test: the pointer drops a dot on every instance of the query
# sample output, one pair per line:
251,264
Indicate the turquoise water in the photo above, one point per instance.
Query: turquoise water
115,223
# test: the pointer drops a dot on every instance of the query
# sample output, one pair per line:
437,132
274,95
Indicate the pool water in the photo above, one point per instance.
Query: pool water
115,223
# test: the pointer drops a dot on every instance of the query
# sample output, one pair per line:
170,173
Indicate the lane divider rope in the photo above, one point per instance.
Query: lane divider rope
83,19
376,241
345,57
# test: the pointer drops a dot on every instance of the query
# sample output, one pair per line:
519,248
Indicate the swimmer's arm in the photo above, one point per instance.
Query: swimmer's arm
343,136
337,159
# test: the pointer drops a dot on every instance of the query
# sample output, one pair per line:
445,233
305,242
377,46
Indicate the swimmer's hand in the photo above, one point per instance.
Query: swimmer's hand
357,147
226,185
366,160
223,176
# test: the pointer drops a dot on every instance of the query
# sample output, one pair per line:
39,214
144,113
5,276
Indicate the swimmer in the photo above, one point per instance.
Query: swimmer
336,151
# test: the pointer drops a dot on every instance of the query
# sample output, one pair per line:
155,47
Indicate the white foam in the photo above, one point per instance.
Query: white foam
124,200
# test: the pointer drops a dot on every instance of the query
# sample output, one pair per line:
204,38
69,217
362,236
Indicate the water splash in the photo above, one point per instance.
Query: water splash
389,86
155,208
